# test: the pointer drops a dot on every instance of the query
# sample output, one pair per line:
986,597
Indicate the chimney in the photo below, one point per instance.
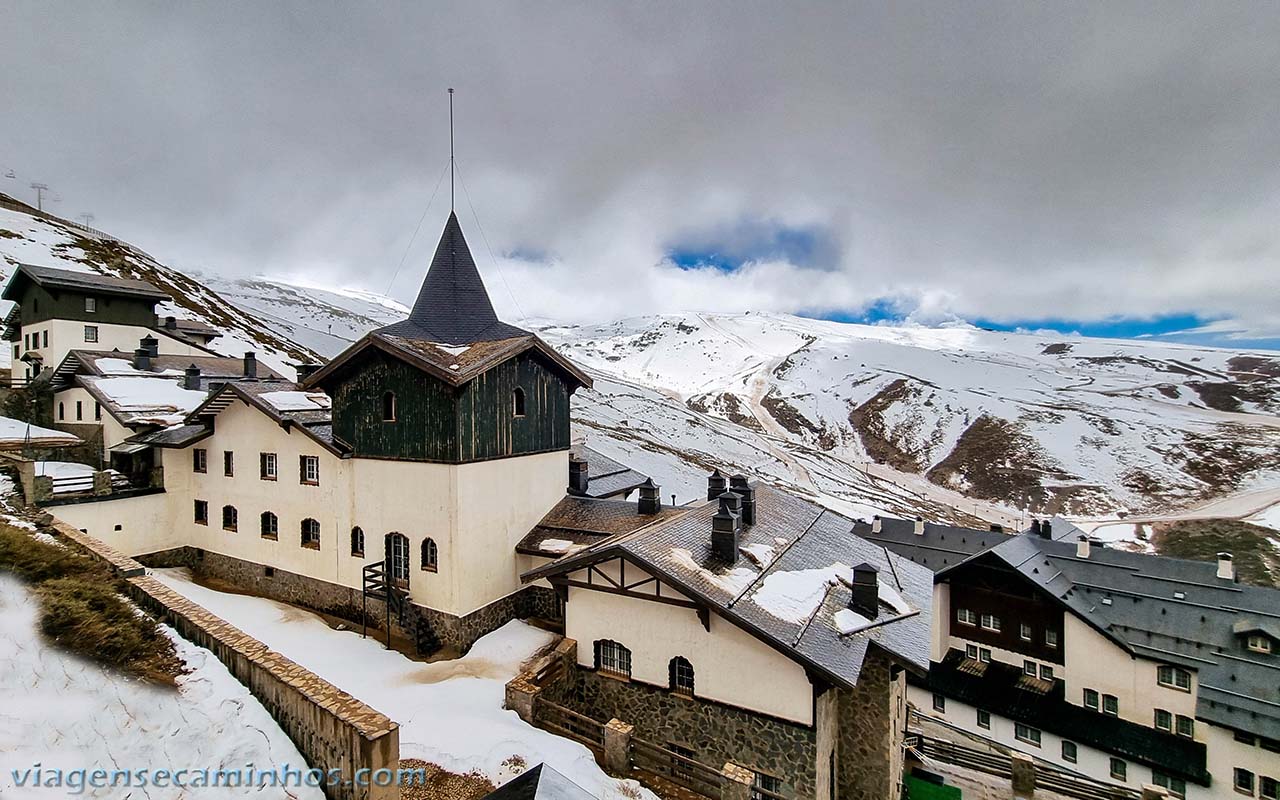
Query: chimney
716,485
865,599
1035,527
918,530
877,524
1226,569
650,499
171,323
142,359
191,377
1082,547
1046,530
250,365
739,486
996,527
725,525
577,475
307,370
151,344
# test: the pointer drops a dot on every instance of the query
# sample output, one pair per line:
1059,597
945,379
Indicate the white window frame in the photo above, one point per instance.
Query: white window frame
1026,733
614,658
270,466
966,616
91,333
1074,756
989,622
1051,638
1024,632
1258,643
1164,719
91,305
310,470
1172,677
1046,672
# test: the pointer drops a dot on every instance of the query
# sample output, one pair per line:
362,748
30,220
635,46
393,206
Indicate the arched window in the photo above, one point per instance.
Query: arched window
397,548
613,658
430,555
229,518
517,398
270,526
357,542
680,676
389,407
311,534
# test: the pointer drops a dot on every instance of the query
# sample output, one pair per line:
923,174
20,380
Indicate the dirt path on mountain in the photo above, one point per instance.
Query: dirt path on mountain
1232,506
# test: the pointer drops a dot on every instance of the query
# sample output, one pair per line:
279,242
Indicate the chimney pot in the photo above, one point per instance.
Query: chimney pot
1082,547
865,598
716,485
250,365
578,480
142,359
191,377
877,524
151,344
1046,529
739,486
918,529
1226,567
1035,527
725,525
171,323
650,497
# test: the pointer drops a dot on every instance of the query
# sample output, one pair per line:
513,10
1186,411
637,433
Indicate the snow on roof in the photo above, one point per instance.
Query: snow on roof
560,546
794,596
17,431
138,395
297,401
733,581
122,366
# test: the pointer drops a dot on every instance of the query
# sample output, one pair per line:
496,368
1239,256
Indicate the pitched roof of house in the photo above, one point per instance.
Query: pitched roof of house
116,363
540,783
1165,609
790,587
92,282
282,401
606,477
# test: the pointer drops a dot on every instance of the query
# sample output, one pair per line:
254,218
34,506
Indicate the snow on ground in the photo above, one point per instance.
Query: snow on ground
450,712
16,431
66,713
1268,517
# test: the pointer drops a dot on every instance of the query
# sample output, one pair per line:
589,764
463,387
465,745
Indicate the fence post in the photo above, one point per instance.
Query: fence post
1152,792
102,482
42,486
737,782
617,746
521,697
1023,768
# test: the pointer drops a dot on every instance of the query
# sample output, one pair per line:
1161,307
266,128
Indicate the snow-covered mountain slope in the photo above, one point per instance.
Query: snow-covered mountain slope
1049,423
27,237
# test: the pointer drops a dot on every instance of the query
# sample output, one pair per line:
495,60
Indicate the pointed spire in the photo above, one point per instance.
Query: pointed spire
453,306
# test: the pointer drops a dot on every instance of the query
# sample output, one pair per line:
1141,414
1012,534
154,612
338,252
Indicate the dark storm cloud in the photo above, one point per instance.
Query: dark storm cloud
1004,161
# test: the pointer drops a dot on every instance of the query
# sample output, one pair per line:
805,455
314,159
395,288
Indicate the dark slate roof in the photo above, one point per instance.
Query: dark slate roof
212,368
452,306
938,547
175,436
1002,689
790,536
1130,598
584,521
540,783
606,477
83,282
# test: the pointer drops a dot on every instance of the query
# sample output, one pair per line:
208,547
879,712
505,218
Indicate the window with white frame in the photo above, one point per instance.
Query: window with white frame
1186,726
1119,769
612,658
309,470
1173,677
1269,788
1111,705
91,333
984,655
1164,720
1046,672
1258,643
91,305
1024,631
966,617
1070,753
1051,638
270,525
971,651
939,703
1243,781
984,719
1026,733
311,534
991,622
267,466
1091,699
1175,786
1029,668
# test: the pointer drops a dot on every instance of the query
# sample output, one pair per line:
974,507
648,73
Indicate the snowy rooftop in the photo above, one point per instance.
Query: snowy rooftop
14,432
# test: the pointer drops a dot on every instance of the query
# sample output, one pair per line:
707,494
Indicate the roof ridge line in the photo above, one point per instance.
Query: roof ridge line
765,569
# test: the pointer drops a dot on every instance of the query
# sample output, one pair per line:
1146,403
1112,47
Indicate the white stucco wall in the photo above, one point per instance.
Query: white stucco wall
66,335
730,665
1225,754
144,523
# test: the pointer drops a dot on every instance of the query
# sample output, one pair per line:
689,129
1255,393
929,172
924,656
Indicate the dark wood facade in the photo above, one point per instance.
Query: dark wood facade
989,589
437,422
39,304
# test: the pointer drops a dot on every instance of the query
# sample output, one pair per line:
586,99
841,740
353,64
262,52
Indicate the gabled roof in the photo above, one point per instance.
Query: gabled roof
793,541
275,399
540,783
453,307
116,363
606,477
89,282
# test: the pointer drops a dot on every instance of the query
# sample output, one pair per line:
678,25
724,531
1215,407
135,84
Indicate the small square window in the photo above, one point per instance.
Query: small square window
939,703
971,651
1026,733
1186,726
984,719
1069,752
1119,769
984,655
1029,668
91,305
91,333
1051,638
1091,699
1164,720
1110,705
1046,672
1244,781
267,466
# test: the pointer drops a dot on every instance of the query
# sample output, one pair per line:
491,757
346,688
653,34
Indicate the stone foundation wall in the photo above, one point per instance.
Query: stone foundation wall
332,729
347,603
870,724
717,733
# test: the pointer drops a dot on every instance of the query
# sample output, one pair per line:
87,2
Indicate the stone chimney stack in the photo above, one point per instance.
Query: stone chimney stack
865,599
577,475
716,485
918,529
650,497
142,359
726,524
1046,530
1226,567
1082,547
877,524
151,344
739,486
191,377
1035,528
250,365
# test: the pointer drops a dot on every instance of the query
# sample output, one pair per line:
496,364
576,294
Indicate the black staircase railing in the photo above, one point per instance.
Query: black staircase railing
378,585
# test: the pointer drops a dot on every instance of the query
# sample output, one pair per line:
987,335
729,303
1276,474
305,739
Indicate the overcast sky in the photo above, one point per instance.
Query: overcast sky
1014,163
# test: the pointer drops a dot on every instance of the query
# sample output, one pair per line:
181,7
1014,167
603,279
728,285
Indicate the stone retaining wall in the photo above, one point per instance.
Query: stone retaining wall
332,729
